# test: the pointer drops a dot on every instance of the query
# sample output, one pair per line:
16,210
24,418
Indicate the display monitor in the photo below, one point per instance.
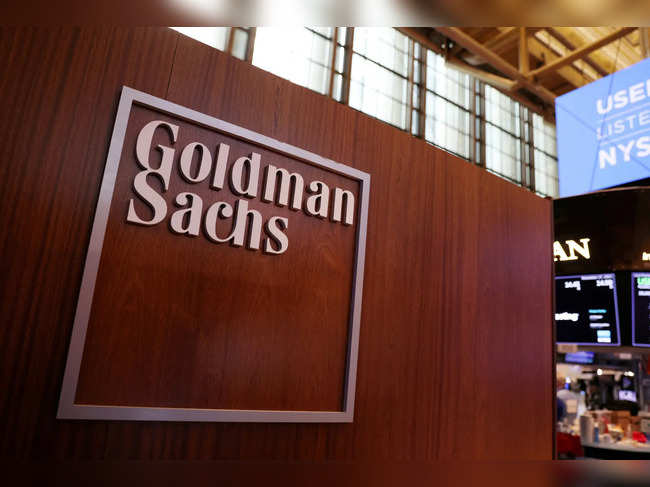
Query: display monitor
603,131
627,396
641,309
627,390
586,309
579,358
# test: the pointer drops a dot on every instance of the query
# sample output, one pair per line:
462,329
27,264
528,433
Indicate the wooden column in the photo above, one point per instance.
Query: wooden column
524,66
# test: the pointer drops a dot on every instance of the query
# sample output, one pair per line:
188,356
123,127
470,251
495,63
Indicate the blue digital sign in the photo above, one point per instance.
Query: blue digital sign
603,131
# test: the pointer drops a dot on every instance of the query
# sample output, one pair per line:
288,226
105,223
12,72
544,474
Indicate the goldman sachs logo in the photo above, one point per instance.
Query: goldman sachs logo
571,250
245,179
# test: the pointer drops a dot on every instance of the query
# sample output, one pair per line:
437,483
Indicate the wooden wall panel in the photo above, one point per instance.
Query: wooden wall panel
455,350
181,321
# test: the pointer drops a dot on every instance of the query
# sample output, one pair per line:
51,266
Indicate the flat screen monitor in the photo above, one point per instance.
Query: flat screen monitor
641,309
586,310
579,358
627,396
603,134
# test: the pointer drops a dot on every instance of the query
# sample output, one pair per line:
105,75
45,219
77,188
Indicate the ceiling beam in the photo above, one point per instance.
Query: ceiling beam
580,52
495,80
475,47
569,45
613,56
456,49
644,42
545,111
605,56
421,37
541,52
507,38
502,39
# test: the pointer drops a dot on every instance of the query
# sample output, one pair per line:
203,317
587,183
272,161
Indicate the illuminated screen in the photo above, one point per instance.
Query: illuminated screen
603,131
627,396
641,309
586,311
579,357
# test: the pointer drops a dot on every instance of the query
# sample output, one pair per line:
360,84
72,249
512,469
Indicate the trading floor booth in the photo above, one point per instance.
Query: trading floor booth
602,315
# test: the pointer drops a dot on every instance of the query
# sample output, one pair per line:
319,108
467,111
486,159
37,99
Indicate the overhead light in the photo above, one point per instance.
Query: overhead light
599,371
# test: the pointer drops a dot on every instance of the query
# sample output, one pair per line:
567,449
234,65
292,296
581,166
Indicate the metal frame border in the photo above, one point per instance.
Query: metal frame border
67,407
633,317
618,325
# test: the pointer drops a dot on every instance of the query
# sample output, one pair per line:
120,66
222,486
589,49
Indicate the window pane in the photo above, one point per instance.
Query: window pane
416,96
378,92
501,111
415,122
325,31
340,59
544,136
341,36
240,43
544,139
447,125
416,71
296,54
448,82
216,37
385,46
502,153
546,178
338,87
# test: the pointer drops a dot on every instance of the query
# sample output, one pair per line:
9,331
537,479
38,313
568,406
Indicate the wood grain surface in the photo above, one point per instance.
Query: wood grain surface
455,356
181,321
